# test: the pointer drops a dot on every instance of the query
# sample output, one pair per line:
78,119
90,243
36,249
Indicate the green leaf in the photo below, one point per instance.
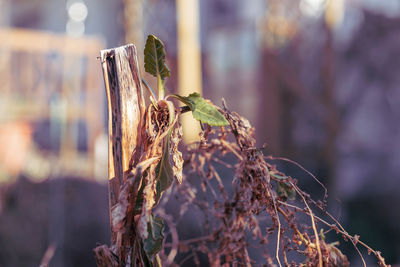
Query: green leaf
154,58
286,190
203,110
153,243
278,176
146,261
139,199
164,172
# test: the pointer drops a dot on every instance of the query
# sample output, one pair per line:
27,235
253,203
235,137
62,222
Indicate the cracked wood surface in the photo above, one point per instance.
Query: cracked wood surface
126,107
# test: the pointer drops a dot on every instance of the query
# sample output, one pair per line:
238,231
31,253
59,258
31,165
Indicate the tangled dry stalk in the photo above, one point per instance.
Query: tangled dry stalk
247,220
252,214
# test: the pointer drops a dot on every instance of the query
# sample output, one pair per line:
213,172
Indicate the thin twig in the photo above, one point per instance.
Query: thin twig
174,234
304,169
149,89
48,255
279,231
313,225
334,227
229,146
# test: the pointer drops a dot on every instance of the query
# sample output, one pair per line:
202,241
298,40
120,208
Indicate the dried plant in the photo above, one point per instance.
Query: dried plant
254,216
261,195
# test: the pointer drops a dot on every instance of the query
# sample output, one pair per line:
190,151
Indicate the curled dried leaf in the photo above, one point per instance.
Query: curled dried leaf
159,126
119,210
332,256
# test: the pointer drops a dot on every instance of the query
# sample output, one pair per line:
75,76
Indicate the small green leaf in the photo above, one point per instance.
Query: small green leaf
277,176
203,110
321,233
286,190
154,58
153,243
146,261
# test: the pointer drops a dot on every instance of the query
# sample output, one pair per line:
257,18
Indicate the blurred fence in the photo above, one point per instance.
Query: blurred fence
52,98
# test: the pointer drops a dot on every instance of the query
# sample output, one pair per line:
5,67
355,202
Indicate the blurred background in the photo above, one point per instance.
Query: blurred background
317,78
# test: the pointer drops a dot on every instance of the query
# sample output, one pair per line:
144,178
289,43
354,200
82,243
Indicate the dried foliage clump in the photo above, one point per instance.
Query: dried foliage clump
249,219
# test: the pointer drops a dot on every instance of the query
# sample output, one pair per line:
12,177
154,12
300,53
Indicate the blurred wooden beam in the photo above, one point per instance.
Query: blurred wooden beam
133,22
36,67
189,60
334,12
46,42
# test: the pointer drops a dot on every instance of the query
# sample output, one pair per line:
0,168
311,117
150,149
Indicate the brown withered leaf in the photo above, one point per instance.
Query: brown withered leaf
159,126
331,255
177,160
149,193
336,257
119,210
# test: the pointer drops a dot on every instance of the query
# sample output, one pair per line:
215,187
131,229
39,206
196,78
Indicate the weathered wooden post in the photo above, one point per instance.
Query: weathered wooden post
125,112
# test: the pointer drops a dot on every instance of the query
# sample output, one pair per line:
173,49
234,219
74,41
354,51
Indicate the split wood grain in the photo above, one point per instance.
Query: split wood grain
126,107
